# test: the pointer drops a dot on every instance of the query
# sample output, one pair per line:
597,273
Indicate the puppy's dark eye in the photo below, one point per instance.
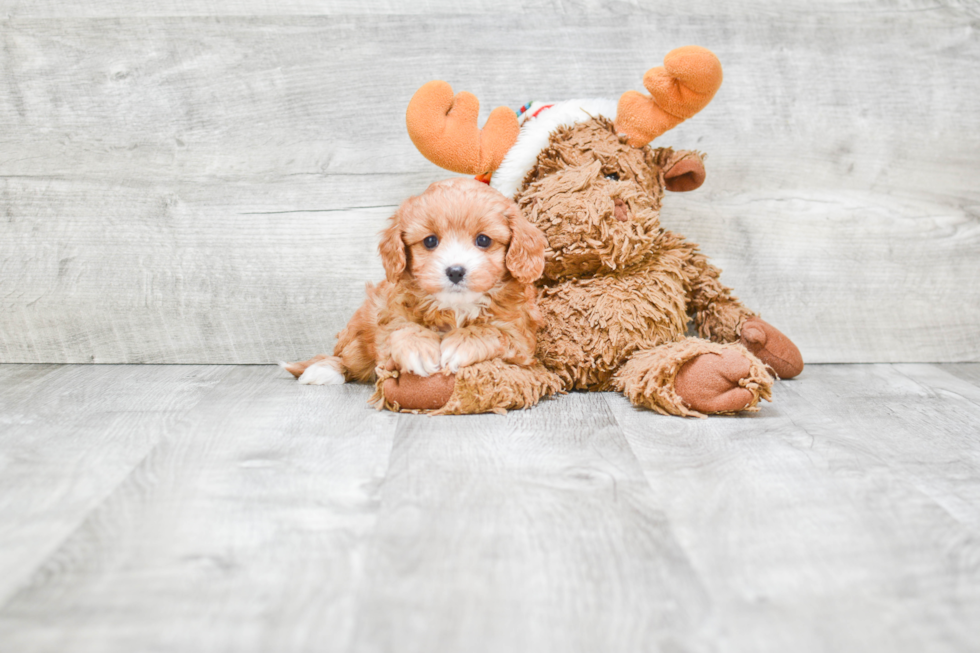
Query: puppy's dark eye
612,176
431,242
483,241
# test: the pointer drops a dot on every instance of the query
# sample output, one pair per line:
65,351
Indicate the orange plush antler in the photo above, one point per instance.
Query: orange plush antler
444,130
680,88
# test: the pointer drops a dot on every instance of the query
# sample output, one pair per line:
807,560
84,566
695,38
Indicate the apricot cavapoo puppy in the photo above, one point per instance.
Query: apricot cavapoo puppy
460,261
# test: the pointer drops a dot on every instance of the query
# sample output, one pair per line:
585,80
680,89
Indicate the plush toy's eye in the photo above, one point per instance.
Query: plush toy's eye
431,242
612,176
483,241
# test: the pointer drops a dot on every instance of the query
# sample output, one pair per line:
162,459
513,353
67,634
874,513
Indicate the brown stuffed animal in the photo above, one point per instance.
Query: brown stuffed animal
618,290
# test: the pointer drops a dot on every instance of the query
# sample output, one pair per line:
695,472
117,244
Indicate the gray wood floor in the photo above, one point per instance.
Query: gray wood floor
210,508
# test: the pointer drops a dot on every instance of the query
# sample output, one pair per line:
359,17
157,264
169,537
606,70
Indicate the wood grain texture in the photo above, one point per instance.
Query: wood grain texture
530,532
239,531
186,188
186,277
966,371
696,8
208,8
70,436
847,510
190,508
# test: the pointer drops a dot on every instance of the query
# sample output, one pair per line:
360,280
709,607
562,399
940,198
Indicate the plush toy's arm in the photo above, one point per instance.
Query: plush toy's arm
718,315
721,317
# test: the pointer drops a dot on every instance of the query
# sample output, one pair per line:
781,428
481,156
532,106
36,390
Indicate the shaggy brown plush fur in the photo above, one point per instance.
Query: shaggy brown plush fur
618,290
616,285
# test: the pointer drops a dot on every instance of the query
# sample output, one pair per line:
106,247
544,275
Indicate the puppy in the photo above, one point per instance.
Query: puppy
460,260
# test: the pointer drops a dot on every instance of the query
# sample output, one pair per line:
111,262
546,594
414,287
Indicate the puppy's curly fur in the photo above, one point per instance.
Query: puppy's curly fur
460,260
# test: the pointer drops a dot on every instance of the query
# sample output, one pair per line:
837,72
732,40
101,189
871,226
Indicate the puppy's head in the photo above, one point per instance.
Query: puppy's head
460,238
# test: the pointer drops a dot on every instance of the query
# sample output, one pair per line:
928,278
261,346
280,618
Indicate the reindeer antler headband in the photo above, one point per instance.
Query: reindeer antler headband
443,127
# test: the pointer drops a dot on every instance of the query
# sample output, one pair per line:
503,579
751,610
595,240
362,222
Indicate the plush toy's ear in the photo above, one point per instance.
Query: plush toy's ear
685,173
679,89
392,248
525,254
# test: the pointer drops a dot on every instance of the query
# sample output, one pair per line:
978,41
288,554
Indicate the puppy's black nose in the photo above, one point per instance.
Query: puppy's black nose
456,273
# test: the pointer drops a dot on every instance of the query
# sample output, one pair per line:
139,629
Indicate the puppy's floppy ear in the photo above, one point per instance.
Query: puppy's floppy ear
392,248
525,254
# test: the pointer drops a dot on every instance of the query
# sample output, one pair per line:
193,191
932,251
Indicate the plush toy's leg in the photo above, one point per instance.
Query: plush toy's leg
694,377
488,387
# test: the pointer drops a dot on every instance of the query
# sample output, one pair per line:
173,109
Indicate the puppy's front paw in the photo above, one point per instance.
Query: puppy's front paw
461,348
414,353
454,356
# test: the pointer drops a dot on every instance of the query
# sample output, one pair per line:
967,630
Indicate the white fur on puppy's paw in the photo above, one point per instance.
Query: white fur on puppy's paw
452,358
415,350
322,373
460,351
416,363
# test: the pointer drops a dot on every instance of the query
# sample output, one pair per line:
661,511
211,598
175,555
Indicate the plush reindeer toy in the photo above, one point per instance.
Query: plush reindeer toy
618,290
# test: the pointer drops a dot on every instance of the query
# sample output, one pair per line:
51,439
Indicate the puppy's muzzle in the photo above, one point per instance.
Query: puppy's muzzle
456,273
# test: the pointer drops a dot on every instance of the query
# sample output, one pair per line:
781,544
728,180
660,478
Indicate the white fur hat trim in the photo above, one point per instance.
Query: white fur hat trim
536,131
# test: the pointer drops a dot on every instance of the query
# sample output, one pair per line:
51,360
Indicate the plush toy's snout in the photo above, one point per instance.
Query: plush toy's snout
620,210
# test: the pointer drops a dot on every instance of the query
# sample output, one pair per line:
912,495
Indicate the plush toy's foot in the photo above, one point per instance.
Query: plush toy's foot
488,387
412,392
710,382
772,347
694,377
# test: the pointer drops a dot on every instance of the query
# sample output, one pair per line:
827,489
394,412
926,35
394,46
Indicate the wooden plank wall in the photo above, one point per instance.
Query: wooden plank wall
201,182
